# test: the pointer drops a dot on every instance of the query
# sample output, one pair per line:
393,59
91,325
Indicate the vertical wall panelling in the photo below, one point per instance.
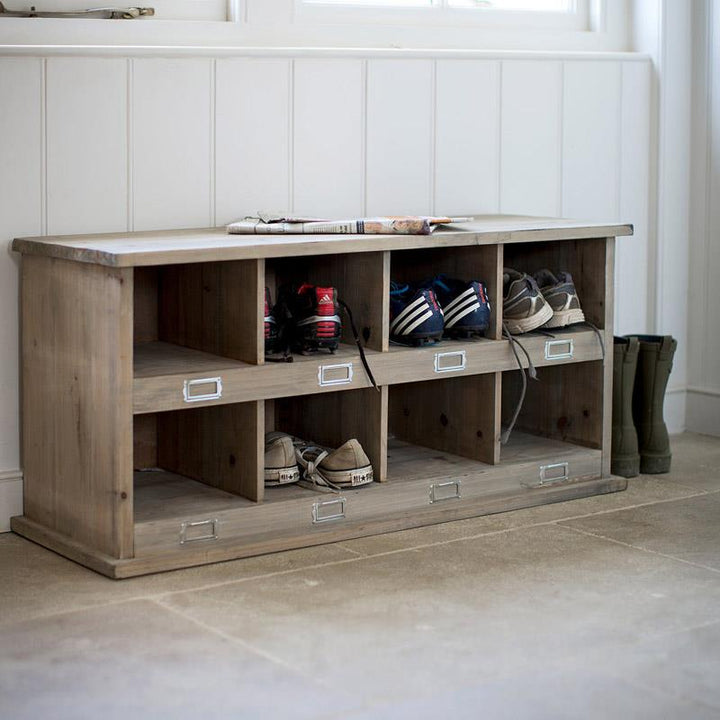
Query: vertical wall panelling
151,143
171,142
633,257
591,139
252,143
328,164
531,137
710,380
86,118
703,411
399,136
467,153
21,184
672,270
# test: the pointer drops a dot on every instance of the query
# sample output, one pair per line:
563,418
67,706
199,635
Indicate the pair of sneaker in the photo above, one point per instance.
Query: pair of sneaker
289,460
423,313
540,300
306,318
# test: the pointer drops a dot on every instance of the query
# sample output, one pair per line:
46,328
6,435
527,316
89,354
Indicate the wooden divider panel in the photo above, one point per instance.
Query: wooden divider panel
221,445
456,415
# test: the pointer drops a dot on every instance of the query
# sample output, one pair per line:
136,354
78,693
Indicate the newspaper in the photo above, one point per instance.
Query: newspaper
266,223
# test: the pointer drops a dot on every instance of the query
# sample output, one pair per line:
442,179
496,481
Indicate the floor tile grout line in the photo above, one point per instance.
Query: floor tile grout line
642,549
350,550
679,631
558,522
232,639
425,546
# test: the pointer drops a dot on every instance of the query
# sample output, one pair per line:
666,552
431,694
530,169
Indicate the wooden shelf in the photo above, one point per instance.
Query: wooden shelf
153,357
161,369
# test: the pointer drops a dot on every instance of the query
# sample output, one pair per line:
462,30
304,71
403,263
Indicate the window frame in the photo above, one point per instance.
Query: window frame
264,26
306,12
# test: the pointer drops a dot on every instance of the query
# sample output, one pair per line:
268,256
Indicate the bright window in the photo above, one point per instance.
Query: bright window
538,14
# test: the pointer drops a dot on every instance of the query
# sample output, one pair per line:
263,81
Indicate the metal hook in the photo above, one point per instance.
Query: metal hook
103,13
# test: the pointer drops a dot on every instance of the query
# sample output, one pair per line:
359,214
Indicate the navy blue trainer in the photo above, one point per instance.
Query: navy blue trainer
415,315
465,305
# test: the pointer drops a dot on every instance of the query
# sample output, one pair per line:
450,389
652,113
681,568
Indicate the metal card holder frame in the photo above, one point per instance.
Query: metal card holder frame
325,373
212,524
450,361
551,474
554,351
188,386
437,491
336,507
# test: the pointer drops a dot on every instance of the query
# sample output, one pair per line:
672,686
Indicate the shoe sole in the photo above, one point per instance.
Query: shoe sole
349,478
563,318
418,339
466,332
517,326
281,476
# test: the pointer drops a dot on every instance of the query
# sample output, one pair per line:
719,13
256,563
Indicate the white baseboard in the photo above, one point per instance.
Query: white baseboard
703,411
11,497
675,410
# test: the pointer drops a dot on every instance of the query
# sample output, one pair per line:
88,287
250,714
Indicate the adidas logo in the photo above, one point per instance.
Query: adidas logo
325,299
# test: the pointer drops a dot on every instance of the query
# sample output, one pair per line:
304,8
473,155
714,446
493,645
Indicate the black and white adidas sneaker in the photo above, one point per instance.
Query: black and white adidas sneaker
314,317
465,306
415,315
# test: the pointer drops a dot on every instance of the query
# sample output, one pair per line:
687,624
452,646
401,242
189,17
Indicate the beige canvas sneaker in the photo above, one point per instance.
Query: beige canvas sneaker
280,463
348,466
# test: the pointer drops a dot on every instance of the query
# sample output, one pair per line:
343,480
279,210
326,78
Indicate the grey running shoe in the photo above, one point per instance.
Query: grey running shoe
562,297
348,466
524,307
280,464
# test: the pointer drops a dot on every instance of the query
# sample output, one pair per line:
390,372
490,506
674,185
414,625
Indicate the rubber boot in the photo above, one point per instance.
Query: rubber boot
625,458
654,366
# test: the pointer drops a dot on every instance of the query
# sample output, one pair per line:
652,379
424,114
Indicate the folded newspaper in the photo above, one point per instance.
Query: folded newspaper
267,223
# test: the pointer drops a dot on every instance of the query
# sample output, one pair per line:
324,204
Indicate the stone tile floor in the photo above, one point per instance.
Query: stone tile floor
607,607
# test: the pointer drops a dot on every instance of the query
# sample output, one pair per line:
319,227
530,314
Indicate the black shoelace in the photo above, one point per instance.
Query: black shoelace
363,359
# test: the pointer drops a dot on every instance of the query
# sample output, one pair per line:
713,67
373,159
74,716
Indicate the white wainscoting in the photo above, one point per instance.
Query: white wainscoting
704,326
93,144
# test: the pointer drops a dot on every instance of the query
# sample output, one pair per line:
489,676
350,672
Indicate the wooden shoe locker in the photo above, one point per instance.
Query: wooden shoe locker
146,396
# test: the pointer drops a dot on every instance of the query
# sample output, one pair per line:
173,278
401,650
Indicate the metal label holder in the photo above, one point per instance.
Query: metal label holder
450,361
188,386
438,491
187,527
554,349
340,374
328,510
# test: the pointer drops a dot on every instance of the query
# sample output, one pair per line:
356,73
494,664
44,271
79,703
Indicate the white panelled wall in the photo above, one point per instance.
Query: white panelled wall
703,397
91,144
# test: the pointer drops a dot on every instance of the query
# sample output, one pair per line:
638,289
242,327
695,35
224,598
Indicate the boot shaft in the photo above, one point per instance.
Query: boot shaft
625,459
653,372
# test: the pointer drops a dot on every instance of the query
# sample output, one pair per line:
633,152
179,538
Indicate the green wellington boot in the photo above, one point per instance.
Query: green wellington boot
625,458
654,366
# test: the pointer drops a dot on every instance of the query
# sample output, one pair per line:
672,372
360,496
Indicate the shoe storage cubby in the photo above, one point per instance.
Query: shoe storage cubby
360,280
147,393
559,425
469,263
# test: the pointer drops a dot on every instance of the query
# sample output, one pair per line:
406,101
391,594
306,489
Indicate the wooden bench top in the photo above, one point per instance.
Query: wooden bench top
168,247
